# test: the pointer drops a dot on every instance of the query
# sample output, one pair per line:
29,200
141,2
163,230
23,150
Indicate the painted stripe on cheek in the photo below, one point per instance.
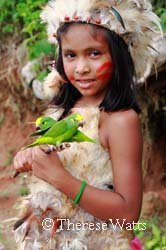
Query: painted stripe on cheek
71,78
104,66
105,76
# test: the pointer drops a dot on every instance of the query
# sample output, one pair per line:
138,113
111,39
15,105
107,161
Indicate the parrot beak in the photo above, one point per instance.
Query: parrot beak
37,127
81,124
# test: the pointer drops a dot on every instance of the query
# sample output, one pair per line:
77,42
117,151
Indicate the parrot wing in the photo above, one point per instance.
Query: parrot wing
81,137
57,129
39,133
60,127
66,137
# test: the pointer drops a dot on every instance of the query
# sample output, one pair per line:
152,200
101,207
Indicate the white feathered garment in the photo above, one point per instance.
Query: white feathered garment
85,161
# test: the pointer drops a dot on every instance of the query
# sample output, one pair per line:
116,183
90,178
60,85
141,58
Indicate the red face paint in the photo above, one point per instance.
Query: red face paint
105,76
71,78
105,65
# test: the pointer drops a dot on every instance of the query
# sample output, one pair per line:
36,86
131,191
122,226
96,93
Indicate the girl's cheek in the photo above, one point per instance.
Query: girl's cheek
104,72
69,72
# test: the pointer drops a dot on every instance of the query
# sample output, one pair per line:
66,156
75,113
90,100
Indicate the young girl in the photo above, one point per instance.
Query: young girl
103,48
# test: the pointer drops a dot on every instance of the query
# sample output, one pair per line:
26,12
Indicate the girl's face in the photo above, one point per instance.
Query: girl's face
86,59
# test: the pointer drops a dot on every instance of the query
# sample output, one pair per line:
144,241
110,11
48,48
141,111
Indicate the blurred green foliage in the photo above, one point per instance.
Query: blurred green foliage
21,19
154,237
160,9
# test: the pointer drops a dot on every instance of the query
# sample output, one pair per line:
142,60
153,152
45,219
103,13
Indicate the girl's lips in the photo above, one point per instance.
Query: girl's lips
85,83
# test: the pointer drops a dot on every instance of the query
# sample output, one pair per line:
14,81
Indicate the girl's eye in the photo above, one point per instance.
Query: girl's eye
95,53
69,55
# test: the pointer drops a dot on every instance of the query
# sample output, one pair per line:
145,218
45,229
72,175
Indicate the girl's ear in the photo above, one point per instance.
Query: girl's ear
52,84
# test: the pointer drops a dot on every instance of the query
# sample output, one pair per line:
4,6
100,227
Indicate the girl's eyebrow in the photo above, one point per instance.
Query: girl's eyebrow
96,47
67,50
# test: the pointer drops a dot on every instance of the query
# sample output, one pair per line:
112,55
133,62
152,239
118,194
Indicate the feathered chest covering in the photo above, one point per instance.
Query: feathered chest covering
85,161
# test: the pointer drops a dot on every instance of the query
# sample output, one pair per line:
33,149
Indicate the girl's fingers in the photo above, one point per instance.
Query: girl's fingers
23,161
28,156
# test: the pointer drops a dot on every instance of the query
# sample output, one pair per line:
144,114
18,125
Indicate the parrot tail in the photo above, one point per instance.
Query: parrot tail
35,143
81,137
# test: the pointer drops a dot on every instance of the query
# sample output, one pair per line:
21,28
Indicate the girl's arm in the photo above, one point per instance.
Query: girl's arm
125,143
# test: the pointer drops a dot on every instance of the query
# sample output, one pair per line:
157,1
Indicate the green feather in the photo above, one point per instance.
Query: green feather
81,137
39,133
66,137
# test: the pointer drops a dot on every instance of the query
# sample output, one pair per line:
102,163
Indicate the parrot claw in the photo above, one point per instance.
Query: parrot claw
61,147
46,150
67,145
54,148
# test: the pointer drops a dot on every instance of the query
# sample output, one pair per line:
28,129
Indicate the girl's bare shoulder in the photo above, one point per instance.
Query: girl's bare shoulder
119,118
117,123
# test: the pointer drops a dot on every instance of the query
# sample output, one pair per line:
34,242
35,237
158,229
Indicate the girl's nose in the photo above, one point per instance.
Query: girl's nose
82,67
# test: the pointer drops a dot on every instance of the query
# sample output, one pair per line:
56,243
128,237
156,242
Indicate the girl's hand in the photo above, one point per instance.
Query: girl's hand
23,161
47,167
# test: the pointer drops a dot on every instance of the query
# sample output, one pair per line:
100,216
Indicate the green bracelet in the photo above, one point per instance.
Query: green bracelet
78,196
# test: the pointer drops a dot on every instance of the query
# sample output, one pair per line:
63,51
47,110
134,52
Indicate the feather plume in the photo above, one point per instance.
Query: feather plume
52,84
118,16
132,16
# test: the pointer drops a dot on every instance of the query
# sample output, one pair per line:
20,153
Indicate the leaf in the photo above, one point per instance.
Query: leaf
42,75
163,241
151,244
8,29
39,48
156,232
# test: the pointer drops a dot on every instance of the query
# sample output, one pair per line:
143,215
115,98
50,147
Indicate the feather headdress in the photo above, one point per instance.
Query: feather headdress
133,20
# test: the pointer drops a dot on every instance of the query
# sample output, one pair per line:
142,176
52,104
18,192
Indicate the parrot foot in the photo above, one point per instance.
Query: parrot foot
54,148
46,149
60,148
63,146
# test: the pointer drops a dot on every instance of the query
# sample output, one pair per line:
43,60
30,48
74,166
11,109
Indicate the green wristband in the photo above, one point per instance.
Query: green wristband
78,196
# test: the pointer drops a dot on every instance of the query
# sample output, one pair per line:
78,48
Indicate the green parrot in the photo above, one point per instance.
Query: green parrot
43,123
56,132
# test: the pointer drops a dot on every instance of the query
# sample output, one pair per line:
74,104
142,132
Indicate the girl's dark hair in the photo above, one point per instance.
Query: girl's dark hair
120,94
